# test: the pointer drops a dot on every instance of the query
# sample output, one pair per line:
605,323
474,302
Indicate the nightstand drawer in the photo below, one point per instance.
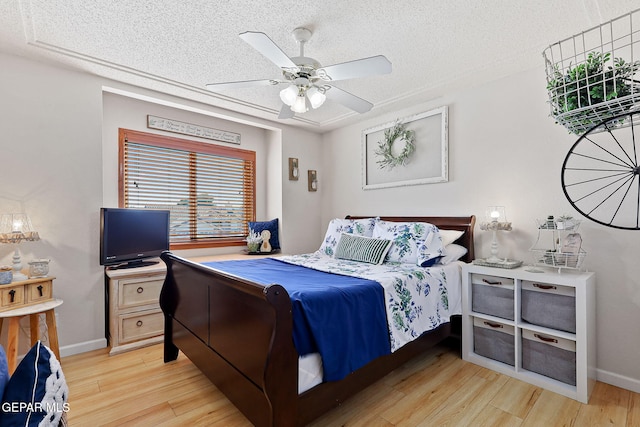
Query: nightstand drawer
141,325
548,305
39,292
550,356
492,295
494,340
11,296
140,291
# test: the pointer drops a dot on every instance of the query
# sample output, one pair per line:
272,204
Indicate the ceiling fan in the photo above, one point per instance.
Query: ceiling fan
307,80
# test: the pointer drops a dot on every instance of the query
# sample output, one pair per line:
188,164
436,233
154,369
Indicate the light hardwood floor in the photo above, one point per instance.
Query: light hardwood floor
436,389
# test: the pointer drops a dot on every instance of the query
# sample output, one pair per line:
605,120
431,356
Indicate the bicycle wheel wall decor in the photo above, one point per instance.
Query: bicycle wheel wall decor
601,173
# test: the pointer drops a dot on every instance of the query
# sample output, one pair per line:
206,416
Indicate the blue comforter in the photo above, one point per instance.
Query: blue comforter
343,318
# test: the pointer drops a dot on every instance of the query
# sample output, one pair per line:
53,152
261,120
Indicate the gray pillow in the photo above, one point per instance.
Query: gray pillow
363,249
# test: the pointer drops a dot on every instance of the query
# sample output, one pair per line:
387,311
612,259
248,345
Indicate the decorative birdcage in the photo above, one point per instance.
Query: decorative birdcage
595,75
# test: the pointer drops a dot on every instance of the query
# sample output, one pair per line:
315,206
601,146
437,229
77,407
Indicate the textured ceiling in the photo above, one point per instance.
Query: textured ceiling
177,47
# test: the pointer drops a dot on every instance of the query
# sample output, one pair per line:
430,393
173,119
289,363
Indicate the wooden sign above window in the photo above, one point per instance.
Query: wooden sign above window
183,128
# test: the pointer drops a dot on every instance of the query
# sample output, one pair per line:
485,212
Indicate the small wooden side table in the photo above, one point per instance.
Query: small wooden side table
33,311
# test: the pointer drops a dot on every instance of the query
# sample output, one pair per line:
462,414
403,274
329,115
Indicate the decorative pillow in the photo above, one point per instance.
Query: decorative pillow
337,226
413,242
363,249
36,394
4,371
449,236
272,226
452,253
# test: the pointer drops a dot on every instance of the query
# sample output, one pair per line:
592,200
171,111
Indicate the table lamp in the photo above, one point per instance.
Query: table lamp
15,228
496,220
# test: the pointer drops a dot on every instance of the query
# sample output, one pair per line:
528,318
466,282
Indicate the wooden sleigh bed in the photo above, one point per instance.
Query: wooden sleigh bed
239,334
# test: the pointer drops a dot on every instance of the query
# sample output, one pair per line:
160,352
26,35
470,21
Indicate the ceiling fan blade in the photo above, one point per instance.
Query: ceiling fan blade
348,100
286,112
359,68
216,87
263,44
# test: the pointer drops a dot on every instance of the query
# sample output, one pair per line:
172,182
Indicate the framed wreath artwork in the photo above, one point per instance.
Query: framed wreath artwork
408,151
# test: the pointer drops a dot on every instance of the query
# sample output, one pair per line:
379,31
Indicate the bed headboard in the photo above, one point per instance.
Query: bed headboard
461,223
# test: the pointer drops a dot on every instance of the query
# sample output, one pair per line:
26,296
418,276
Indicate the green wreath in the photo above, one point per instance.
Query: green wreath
385,148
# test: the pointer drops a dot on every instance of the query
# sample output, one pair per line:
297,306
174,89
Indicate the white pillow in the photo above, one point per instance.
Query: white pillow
449,236
337,226
452,253
413,242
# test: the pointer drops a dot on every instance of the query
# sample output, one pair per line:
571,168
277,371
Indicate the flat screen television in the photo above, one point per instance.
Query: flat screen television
129,237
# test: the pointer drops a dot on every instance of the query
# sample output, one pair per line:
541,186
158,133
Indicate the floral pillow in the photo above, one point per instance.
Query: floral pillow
413,242
337,226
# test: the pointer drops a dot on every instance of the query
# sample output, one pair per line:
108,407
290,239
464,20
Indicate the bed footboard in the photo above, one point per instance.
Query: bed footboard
209,313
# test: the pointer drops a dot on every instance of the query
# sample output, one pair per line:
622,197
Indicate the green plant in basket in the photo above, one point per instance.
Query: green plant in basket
591,82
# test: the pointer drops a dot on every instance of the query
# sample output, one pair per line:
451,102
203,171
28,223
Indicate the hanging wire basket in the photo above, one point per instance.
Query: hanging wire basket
595,75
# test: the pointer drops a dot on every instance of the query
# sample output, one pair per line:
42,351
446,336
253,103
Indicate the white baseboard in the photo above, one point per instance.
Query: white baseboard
69,350
618,380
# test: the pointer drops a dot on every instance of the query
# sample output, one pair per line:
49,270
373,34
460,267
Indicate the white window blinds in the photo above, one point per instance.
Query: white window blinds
209,189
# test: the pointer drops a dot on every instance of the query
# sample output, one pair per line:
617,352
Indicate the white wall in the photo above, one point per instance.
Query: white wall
53,143
504,150
52,170
301,208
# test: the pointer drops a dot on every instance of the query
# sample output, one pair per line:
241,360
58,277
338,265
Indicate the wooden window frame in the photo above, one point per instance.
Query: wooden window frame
126,135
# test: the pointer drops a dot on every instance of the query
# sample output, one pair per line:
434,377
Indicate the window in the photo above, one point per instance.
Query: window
209,189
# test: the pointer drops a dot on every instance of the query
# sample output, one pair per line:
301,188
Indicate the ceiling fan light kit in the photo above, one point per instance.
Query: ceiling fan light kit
300,104
289,95
297,97
316,96
306,78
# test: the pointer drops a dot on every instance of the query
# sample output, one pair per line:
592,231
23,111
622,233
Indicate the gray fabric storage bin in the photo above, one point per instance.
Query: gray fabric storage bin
495,300
495,343
553,308
549,360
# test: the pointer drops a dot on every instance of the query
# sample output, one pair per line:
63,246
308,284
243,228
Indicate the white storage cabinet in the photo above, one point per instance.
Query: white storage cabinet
135,317
537,327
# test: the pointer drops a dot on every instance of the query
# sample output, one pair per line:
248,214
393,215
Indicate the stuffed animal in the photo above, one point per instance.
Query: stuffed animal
266,246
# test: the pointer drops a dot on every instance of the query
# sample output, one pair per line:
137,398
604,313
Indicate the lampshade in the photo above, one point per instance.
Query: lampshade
300,104
14,228
495,219
289,94
496,213
316,97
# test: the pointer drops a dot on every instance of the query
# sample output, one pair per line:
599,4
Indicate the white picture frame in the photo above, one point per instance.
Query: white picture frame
428,164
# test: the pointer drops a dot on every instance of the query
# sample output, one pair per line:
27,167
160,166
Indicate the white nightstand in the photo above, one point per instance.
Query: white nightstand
135,318
537,327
